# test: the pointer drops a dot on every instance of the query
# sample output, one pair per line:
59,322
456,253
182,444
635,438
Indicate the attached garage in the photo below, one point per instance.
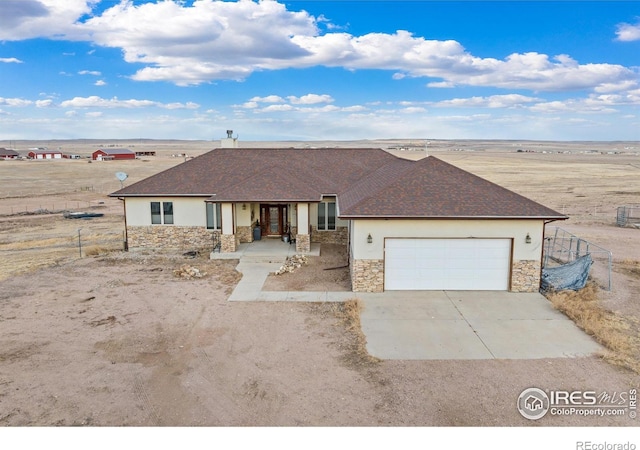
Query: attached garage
447,264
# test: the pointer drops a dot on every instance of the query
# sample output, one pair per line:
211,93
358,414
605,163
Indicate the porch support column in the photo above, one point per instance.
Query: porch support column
303,239
227,238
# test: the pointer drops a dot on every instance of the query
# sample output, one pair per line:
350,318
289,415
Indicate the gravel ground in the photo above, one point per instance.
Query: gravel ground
121,340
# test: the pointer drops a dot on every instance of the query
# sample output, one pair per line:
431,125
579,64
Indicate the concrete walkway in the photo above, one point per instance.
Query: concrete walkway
421,325
260,258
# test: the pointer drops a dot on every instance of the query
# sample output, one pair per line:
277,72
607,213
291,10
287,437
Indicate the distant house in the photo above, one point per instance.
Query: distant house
43,153
7,153
104,154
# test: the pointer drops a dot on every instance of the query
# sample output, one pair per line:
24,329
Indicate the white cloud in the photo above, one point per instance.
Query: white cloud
627,32
279,108
100,83
441,84
26,19
94,114
98,102
44,103
268,99
10,60
190,43
593,105
177,105
494,101
310,99
413,110
354,108
89,72
17,102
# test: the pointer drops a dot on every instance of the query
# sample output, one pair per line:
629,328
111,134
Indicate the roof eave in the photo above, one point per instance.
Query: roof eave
389,216
117,194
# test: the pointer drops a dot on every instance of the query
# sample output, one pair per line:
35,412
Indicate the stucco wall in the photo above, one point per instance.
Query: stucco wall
398,228
367,260
190,211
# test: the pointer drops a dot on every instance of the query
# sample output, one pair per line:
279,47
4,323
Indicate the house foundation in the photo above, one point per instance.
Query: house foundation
338,236
170,237
228,243
244,234
367,275
303,243
525,276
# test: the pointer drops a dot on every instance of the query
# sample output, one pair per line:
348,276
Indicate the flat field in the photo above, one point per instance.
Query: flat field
115,338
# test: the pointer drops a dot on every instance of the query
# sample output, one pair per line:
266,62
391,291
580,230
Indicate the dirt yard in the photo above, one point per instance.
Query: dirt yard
117,338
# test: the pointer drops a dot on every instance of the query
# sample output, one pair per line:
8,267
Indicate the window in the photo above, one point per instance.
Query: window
167,212
326,216
156,217
158,213
214,216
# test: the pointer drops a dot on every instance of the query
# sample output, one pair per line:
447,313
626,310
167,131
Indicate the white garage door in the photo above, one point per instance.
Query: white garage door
447,264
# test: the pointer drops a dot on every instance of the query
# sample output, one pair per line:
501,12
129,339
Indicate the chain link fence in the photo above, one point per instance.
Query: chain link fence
562,247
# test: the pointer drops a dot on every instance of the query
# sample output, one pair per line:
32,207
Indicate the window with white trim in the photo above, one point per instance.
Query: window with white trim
214,216
162,213
326,216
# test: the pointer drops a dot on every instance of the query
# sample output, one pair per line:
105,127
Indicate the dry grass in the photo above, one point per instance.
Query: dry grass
98,250
631,267
618,334
349,315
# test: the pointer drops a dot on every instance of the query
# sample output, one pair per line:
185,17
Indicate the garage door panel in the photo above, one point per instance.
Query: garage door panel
452,264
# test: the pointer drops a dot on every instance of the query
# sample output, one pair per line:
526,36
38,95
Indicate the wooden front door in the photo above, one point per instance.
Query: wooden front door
273,219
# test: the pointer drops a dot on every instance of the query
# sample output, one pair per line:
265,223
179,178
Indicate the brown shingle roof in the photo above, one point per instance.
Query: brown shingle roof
8,152
432,188
368,183
263,174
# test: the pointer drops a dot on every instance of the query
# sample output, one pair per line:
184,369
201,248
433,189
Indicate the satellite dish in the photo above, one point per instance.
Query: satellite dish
121,176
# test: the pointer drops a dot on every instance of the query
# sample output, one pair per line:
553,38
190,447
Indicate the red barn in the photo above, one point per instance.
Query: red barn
112,153
43,153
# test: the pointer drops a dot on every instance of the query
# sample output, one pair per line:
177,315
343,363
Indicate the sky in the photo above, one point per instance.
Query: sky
319,70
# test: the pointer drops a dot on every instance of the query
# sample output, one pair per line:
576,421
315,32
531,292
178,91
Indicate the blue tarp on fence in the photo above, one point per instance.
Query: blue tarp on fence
573,275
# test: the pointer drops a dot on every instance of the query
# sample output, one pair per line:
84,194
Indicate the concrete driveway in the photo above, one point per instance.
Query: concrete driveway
469,325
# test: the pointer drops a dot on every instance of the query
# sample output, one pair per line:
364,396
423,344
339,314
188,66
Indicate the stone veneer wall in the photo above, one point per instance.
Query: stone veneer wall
367,275
244,233
338,236
303,243
525,276
170,237
228,243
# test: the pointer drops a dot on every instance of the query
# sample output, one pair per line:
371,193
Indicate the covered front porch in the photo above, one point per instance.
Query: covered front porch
265,250
243,223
